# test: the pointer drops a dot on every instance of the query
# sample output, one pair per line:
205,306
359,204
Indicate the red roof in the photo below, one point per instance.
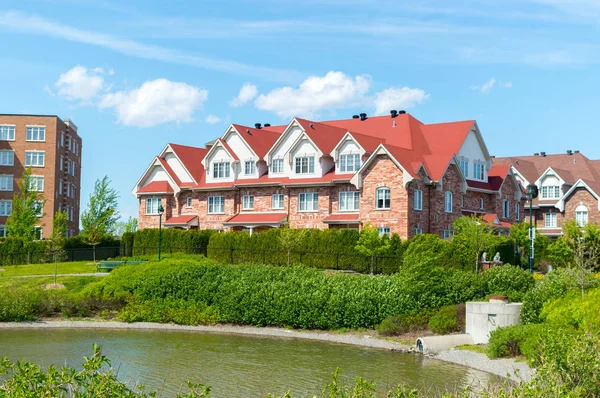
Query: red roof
228,148
157,187
496,177
180,220
191,157
341,217
260,140
257,218
169,170
494,221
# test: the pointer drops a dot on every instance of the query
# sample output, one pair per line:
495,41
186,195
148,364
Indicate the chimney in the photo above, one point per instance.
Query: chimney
257,125
394,113
543,154
493,156
577,151
267,124
363,116
569,152
354,116
401,112
536,154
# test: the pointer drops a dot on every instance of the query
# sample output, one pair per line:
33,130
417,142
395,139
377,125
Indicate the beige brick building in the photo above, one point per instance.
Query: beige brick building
52,148
394,172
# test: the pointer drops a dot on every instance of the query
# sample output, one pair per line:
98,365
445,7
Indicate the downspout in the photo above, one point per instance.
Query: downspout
429,208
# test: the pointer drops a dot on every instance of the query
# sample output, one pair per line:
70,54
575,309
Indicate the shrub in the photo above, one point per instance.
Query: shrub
401,324
145,241
511,281
425,252
573,311
514,341
445,320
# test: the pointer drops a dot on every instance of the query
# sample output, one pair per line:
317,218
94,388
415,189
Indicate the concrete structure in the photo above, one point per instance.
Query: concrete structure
394,172
435,344
485,317
52,148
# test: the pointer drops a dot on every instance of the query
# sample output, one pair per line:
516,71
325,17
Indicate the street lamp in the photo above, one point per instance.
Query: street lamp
161,210
532,193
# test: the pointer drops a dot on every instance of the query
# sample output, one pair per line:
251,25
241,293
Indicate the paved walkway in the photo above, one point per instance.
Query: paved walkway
52,275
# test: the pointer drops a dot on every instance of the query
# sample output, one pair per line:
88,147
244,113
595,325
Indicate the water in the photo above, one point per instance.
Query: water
235,366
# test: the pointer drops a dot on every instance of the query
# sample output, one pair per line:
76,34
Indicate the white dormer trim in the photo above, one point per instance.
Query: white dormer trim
169,149
212,149
155,162
318,153
347,137
516,172
293,123
560,205
548,171
356,179
231,129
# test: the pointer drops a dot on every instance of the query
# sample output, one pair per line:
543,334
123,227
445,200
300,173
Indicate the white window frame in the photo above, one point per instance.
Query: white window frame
277,201
35,133
37,155
550,192
3,232
38,229
517,211
478,171
351,198
418,200
249,167
152,205
581,215
481,204
505,208
418,230
188,202
550,220
349,162
5,207
448,199
40,207
35,183
216,204
7,132
248,202
384,231
7,182
304,164
221,170
277,166
447,233
383,195
463,164
7,158
308,202
62,139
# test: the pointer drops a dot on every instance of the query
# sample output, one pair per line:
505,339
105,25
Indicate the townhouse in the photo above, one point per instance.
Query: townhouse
394,172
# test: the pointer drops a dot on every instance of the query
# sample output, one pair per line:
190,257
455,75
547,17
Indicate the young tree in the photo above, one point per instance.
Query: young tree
100,217
289,239
55,246
584,245
476,234
27,208
122,227
371,244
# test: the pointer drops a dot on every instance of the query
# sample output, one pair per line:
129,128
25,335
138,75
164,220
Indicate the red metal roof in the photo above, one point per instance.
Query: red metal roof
180,220
339,217
191,157
169,170
260,140
496,177
257,218
228,148
494,220
157,187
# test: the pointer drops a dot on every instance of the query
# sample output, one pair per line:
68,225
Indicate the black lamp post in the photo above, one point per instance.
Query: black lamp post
532,193
161,210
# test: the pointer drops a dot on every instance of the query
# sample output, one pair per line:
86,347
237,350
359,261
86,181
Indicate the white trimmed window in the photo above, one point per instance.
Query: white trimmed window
39,208
349,201
517,211
581,215
221,169
349,162
384,231
60,187
249,167
277,201
37,183
447,233
62,139
216,204
550,220
68,189
7,133
36,133
277,166
7,158
418,230
418,204
551,192
481,204
34,158
505,208
188,202
3,233
152,205
6,182
5,207
305,164
382,196
72,191
464,166
448,202
248,202
478,171
462,201
308,201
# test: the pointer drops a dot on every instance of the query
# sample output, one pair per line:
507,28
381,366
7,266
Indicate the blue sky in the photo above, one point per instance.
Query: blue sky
136,75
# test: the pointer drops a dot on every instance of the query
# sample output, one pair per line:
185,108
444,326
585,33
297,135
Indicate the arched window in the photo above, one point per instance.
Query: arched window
581,215
383,198
448,202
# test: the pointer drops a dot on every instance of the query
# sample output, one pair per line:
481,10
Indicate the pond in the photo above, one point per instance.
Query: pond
234,365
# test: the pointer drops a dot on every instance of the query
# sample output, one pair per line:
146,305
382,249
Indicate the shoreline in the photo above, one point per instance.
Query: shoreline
507,367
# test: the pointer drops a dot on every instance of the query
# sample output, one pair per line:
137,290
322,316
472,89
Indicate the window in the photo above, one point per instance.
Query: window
7,158
221,170
349,201
60,187
478,171
349,162
551,192
151,205
277,201
550,220
37,183
62,139
418,204
34,158
5,207
505,208
68,189
249,167
39,208
2,231
464,166
448,232
6,183
37,233
305,165
383,198
309,201
462,201
384,231
216,204
418,230
581,215
277,166
448,202
71,167
7,133
188,202
517,211
481,203
248,202
72,191
36,133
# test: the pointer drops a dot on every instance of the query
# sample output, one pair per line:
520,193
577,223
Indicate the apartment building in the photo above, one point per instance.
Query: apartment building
394,172
568,186
52,148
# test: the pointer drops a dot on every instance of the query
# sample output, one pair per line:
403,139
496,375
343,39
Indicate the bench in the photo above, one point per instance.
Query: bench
107,266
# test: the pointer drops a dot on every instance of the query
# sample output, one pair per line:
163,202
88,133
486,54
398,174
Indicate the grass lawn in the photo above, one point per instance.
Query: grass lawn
72,283
80,267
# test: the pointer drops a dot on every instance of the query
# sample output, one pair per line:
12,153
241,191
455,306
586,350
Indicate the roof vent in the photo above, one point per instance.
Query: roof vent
402,112
363,116
536,154
569,152
267,124
493,156
355,116
543,154
248,131
311,126
394,113
257,125
577,151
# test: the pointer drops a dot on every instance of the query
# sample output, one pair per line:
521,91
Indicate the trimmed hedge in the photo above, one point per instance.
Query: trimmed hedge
172,241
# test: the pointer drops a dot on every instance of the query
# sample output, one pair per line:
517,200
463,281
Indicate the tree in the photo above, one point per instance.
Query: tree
100,217
27,208
584,245
289,239
56,243
371,244
477,236
131,225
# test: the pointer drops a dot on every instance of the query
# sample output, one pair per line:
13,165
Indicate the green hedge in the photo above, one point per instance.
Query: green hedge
145,242
13,251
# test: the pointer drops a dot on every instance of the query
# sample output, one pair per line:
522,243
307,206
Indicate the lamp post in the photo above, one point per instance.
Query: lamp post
532,193
161,210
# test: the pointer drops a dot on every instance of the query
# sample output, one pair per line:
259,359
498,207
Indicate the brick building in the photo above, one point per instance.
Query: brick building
568,185
393,172
52,148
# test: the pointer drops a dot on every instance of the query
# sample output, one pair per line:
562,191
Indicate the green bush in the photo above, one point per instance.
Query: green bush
508,280
514,341
446,320
401,324
573,311
424,252
145,241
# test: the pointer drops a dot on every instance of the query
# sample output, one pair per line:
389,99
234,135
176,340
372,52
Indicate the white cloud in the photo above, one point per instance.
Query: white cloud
489,85
247,94
506,84
402,98
335,90
155,102
79,83
212,119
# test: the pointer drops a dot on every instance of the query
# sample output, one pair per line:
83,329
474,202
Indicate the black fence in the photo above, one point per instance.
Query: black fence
75,254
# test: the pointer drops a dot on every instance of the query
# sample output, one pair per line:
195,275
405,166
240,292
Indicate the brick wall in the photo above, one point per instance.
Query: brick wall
310,219
581,196
418,218
440,219
509,188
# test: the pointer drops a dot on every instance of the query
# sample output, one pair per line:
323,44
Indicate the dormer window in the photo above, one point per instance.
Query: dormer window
479,171
551,192
249,167
221,169
305,165
349,162
464,167
277,166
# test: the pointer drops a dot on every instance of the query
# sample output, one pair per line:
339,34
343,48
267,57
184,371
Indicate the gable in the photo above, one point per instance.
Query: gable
472,149
284,144
178,168
240,147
